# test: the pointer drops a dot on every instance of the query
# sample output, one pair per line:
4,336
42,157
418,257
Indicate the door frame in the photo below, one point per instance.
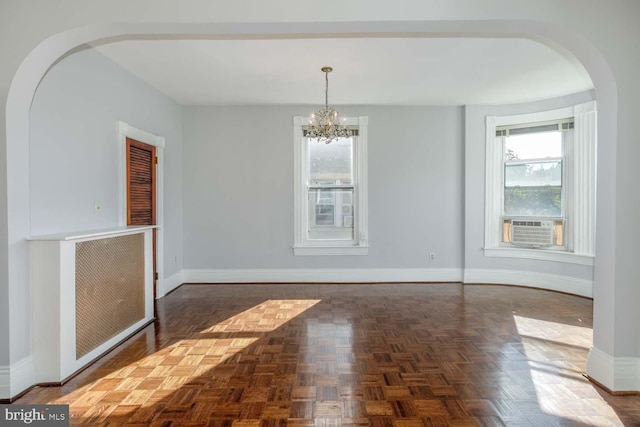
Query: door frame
125,131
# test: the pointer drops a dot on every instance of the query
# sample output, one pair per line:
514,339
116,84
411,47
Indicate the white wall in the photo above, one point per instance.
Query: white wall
74,156
238,188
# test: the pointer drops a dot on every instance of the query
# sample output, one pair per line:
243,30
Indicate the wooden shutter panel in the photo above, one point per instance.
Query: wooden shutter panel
141,182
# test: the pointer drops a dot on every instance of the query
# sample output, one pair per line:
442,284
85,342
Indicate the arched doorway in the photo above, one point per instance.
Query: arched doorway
45,55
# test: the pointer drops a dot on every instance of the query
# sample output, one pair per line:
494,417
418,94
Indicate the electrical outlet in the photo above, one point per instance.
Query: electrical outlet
432,257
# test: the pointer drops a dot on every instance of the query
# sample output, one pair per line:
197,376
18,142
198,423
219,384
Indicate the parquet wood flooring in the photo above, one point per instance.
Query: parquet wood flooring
400,355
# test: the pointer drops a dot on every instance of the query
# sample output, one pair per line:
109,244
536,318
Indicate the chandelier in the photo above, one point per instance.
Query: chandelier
324,124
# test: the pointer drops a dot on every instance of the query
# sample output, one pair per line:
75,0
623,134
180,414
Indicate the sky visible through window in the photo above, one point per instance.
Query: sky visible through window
540,145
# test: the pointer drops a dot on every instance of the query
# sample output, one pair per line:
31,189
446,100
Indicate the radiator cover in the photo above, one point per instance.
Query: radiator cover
109,288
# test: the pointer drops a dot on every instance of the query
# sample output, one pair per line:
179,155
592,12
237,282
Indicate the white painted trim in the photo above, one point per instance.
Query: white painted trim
5,383
615,373
125,131
16,378
171,282
339,275
539,116
551,282
362,173
300,245
140,135
92,234
493,178
298,187
540,254
600,367
583,179
626,374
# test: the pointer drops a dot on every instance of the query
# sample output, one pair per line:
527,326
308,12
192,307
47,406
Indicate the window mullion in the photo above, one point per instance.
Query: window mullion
330,187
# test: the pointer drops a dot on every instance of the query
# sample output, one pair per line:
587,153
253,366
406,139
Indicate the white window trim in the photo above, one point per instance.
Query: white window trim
581,181
125,131
361,215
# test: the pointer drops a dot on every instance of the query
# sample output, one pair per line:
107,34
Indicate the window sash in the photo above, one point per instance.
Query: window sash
530,181
538,194
325,221
542,195
511,189
330,217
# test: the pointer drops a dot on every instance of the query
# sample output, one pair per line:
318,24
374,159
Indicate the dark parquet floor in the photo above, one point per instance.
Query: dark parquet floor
399,355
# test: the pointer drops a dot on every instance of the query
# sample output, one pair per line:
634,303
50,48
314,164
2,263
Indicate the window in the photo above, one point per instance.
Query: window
533,174
540,185
330,192
534,205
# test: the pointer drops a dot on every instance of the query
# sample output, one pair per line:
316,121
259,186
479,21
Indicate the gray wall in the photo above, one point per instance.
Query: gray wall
234,175
74,147
474,169
238,188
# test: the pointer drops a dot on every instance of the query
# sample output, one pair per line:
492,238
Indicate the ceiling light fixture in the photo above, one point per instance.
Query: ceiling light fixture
324,124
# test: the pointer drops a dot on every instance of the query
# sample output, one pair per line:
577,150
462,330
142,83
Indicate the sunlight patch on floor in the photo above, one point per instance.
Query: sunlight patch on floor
197,356
556,354
264,317
560,333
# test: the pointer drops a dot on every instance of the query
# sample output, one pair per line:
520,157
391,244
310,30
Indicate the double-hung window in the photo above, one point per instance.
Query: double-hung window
534,205
540,185
331,192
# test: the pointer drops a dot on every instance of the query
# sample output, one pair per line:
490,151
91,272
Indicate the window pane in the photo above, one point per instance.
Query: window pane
330,214
533,201
331,162
533,189
536,174
540,145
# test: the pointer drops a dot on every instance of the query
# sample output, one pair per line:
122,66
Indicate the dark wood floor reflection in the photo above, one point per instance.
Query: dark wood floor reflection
351,355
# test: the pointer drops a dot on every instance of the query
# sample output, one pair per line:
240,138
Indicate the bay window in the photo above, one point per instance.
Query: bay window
540,185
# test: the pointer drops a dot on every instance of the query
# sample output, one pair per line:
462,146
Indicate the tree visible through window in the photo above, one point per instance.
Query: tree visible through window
533,175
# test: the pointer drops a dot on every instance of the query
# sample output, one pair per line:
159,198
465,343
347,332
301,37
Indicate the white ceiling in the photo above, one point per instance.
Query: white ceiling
381,71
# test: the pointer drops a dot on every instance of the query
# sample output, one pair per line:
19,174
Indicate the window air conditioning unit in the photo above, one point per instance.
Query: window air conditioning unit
532,233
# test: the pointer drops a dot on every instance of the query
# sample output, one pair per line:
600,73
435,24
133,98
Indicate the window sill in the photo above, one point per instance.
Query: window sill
540,254
330,250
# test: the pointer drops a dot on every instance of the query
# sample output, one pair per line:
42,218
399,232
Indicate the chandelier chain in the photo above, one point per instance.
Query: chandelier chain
326,89
324,124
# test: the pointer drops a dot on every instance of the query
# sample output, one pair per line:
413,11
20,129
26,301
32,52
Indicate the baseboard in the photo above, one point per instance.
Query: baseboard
566,284
5,384
340,275
16,378
618,374
552,282
172,282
